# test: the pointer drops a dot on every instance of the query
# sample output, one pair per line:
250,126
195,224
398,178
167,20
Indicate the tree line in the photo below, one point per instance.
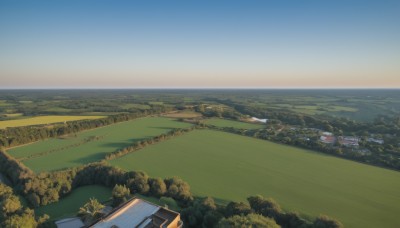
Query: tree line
257,212
45,188
16,136
143,143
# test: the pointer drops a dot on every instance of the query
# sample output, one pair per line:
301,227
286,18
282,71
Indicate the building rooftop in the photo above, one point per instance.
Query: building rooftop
70,222
139,213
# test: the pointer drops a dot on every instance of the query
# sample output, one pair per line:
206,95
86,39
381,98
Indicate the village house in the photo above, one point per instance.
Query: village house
327,138
349,141
378,141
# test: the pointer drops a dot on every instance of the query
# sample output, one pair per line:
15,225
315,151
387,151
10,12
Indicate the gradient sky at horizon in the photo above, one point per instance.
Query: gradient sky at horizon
218,44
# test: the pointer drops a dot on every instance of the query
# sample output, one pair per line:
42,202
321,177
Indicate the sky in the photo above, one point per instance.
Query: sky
200,44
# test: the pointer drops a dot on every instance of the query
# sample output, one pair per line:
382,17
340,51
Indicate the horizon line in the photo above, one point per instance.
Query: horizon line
184,88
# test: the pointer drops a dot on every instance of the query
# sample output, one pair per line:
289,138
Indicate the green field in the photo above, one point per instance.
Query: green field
60,153
37,120
138,106
233,167
163,201
69,205
231,123
11,115
319,108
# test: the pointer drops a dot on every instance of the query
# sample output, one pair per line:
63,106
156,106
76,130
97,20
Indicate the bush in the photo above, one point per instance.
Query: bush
250,220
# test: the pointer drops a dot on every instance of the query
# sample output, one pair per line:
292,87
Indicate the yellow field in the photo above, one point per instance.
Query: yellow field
43,120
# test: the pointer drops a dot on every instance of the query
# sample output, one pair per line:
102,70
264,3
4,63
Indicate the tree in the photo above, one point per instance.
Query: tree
292,220
139,183
10,205
178,189
211,219
91,211
157,187
208,204
201,213
34,199
120,194
5,191
267,207
234,208
250,220
26,220
324,221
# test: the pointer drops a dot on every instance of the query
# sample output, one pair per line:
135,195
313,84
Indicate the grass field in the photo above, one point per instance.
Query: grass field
60,153
231,123
138,106
14,115
43,120
233,167
320,108
185,114
69,205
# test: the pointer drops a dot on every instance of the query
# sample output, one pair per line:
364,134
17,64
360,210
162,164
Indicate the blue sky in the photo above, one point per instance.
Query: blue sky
115,44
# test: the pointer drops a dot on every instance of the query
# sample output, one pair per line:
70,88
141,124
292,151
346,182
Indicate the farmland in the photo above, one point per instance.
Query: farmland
186,114
231,123
231,167
92,145
38,120
69,205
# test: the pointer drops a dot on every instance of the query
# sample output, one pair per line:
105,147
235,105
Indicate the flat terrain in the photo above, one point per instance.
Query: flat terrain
38,120
185,114
231,123
233,167
92,145
69,205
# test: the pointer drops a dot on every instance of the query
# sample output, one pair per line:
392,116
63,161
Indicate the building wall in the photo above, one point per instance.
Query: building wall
175,223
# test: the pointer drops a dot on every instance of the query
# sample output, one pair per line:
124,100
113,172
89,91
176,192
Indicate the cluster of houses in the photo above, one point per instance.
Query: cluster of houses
347,141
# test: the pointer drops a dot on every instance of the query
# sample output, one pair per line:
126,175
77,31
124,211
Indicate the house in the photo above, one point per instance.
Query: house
255,119
349,141
379,141
141,214
136,213
328,139
70,223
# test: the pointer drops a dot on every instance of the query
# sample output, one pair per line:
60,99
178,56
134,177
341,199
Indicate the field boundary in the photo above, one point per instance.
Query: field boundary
144,143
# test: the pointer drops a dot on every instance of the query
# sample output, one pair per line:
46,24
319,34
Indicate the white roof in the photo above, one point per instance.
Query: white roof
130,215
259,120
70,223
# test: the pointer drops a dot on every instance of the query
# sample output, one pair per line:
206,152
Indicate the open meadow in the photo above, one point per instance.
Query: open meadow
39,120
184,114
232,167
91,145
69,205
